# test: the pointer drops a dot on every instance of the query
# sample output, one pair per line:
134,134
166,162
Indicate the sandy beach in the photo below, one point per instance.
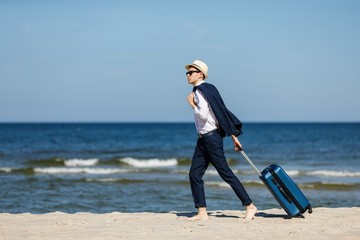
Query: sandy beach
324,223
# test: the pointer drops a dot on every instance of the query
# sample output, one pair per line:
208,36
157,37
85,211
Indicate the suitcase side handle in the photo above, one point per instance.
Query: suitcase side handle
250,162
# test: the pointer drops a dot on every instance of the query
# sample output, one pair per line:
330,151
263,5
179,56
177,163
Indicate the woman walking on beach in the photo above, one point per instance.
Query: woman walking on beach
213,121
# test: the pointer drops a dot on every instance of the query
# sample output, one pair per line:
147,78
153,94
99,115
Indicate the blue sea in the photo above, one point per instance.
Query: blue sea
138,167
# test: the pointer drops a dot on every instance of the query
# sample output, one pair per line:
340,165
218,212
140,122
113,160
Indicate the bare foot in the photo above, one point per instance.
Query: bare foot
202,215
250,212
199,217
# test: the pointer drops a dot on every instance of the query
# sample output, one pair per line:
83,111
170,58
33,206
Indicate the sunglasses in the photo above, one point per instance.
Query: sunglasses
191,72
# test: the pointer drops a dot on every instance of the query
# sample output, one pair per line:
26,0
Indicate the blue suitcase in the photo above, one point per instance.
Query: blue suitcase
283,188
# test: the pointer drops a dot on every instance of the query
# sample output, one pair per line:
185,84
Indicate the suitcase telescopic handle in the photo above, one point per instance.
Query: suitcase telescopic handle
250,162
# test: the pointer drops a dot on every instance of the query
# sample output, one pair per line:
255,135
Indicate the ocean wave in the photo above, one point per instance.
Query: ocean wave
187,161
217,184
73,170
8,170
330,186
181,171
114,180
148,163
184,161
323,186
253,183
76,162
293,173
5,169
334,173
213,171
47,162
326,173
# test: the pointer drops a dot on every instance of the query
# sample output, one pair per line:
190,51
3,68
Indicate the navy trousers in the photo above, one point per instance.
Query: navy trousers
210,149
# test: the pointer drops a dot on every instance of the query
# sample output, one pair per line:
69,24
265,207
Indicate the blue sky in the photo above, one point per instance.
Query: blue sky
123,61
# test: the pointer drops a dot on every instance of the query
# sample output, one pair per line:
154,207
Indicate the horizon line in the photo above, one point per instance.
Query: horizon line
172,122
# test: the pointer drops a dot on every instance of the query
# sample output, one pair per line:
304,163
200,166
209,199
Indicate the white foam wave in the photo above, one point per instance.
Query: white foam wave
250,172
105,180
6,169
293,173
81,162
149,162
335,173
337,183
253,181
74,170
211,172
217,184
181,171
331,184
225,185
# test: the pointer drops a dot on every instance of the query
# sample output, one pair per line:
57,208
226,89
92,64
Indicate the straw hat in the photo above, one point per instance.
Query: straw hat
201,66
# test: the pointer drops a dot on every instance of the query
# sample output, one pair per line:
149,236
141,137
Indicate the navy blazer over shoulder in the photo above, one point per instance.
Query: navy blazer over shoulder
229,124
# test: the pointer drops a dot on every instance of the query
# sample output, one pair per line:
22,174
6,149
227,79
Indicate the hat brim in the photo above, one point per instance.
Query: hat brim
198,68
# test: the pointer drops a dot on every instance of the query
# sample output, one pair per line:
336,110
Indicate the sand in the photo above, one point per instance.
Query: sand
323,223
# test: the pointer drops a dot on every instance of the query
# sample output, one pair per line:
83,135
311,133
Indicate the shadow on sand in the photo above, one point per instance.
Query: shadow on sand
223,215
